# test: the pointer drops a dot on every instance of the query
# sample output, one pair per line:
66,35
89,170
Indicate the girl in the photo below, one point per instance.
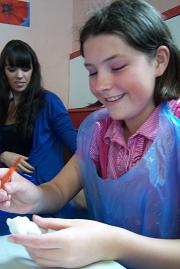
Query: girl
128,154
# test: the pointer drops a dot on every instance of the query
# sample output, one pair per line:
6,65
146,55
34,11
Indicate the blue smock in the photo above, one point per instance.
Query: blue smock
146,199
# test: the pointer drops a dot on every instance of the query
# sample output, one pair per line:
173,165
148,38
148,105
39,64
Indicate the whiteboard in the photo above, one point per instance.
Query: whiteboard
174,24
79,93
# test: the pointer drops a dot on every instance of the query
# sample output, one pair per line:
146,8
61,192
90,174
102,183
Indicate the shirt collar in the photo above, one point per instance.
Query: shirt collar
148,129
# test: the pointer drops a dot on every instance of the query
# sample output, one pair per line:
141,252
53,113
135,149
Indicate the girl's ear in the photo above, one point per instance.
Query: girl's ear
162,60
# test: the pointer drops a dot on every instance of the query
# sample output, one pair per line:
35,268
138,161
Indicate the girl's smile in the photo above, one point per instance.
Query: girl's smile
121,77
114,99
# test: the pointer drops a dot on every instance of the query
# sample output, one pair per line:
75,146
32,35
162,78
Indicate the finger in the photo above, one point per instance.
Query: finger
5,205
3,195
53,223
24,157
43,241
22,169
27,165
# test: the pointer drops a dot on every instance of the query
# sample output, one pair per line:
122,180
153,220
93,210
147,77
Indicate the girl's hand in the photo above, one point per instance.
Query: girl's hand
73,244
9,158
76,243
18,195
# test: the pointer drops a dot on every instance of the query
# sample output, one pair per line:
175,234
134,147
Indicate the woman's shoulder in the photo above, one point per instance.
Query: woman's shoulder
52,98
175,107
48,94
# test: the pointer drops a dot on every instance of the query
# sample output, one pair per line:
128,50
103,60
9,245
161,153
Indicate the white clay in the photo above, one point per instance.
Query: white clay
22,225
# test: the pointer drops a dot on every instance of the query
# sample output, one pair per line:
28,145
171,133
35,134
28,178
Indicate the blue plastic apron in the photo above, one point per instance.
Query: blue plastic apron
146,199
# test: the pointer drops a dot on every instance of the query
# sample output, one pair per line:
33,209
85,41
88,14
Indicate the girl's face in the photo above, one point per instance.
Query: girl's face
18,78
121,77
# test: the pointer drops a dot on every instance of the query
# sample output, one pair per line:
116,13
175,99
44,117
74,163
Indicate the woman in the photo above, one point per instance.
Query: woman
34,123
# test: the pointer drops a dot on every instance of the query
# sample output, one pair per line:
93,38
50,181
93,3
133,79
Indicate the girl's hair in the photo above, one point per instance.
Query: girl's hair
143,28
17,53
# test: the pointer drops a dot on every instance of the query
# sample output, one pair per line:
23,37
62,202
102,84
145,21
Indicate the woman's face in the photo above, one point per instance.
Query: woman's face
121,78
18,78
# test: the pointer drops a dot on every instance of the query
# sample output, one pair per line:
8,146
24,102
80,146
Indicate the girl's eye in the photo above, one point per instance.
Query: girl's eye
92,74
92,71
117,68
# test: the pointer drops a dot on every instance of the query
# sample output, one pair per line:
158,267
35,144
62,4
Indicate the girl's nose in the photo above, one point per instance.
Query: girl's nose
104,82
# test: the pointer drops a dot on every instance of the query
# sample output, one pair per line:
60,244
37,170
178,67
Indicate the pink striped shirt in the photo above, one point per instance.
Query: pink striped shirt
122,155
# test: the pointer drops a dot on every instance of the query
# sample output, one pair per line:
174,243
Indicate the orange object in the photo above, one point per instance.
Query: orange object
7,176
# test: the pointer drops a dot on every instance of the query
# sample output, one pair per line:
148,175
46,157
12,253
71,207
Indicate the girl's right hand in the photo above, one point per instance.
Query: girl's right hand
18,195
9,158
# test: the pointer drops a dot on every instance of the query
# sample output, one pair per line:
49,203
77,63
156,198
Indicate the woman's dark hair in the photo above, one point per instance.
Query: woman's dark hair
19,54
143,28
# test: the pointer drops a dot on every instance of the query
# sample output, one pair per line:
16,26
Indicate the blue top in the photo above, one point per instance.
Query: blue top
146,199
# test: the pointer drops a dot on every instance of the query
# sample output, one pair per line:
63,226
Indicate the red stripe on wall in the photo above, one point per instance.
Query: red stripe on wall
175,11
74,54
168,14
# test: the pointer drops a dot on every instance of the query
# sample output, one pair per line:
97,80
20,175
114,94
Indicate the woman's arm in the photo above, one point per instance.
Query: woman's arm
61,122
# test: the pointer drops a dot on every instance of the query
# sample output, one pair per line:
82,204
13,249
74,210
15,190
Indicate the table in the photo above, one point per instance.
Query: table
13,256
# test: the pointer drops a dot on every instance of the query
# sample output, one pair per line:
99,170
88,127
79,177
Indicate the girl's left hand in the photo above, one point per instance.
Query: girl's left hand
75,243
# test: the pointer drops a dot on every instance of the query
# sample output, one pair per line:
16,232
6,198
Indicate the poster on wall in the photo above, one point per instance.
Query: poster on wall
15,12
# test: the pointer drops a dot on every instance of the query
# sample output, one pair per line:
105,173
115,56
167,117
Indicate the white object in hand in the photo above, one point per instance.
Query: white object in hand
22,225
